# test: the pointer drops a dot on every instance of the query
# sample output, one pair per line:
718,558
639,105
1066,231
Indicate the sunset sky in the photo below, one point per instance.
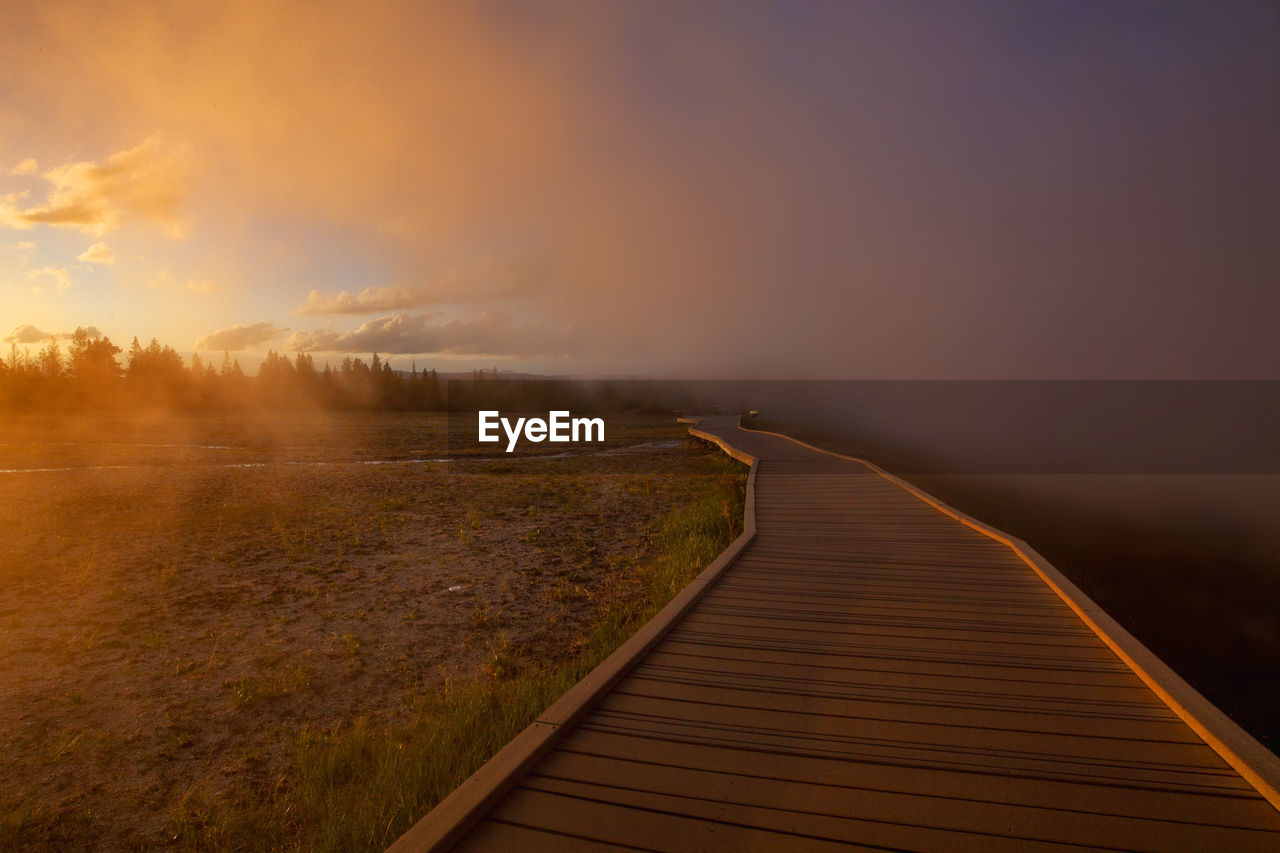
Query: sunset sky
851,189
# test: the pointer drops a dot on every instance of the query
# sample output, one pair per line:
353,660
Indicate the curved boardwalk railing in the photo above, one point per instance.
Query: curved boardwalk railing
865,667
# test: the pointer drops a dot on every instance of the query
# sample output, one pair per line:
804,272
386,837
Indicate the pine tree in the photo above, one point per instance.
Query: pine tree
50,361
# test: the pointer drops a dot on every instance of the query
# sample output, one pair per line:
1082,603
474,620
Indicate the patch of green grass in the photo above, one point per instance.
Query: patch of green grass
504,659
359,786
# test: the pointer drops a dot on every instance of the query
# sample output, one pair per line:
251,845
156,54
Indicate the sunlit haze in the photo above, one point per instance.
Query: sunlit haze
841,190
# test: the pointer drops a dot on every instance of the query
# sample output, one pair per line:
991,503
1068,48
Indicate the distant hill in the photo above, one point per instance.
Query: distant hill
469,374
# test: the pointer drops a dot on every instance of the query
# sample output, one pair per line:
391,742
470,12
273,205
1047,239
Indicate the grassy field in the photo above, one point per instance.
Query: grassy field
223,634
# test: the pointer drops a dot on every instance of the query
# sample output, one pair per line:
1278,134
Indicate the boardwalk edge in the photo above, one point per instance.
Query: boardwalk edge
456,814
1256,764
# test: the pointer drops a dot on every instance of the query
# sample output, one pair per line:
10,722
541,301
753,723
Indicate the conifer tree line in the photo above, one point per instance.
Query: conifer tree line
94,373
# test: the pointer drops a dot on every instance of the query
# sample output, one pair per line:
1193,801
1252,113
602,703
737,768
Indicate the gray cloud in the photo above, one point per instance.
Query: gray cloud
239,337
488,334
28,334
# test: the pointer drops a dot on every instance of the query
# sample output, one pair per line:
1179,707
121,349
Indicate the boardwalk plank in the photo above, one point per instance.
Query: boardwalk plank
495,834
930,783
822,675
790,809
651,827
1020,826
888,729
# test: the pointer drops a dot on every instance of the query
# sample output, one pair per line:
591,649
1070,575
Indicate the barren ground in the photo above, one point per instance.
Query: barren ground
170,621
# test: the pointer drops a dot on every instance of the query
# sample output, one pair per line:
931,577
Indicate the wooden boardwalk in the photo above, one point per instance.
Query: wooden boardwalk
868,672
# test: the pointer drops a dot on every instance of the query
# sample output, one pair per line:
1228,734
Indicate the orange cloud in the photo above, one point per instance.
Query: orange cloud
437,131
98,253
239,337
491,281
26,167
367,301
59,277
146,182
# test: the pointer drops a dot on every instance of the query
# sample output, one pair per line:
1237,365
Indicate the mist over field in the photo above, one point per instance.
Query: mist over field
203,612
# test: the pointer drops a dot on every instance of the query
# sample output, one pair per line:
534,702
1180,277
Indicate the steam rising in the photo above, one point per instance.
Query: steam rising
878,189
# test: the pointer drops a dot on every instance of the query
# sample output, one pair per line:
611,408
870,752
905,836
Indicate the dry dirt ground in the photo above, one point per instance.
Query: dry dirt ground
170,618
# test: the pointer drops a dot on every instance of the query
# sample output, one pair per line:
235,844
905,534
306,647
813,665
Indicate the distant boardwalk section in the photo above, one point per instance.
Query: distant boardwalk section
870,672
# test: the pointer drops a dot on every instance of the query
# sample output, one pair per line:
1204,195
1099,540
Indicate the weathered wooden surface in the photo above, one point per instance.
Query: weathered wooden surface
871,672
